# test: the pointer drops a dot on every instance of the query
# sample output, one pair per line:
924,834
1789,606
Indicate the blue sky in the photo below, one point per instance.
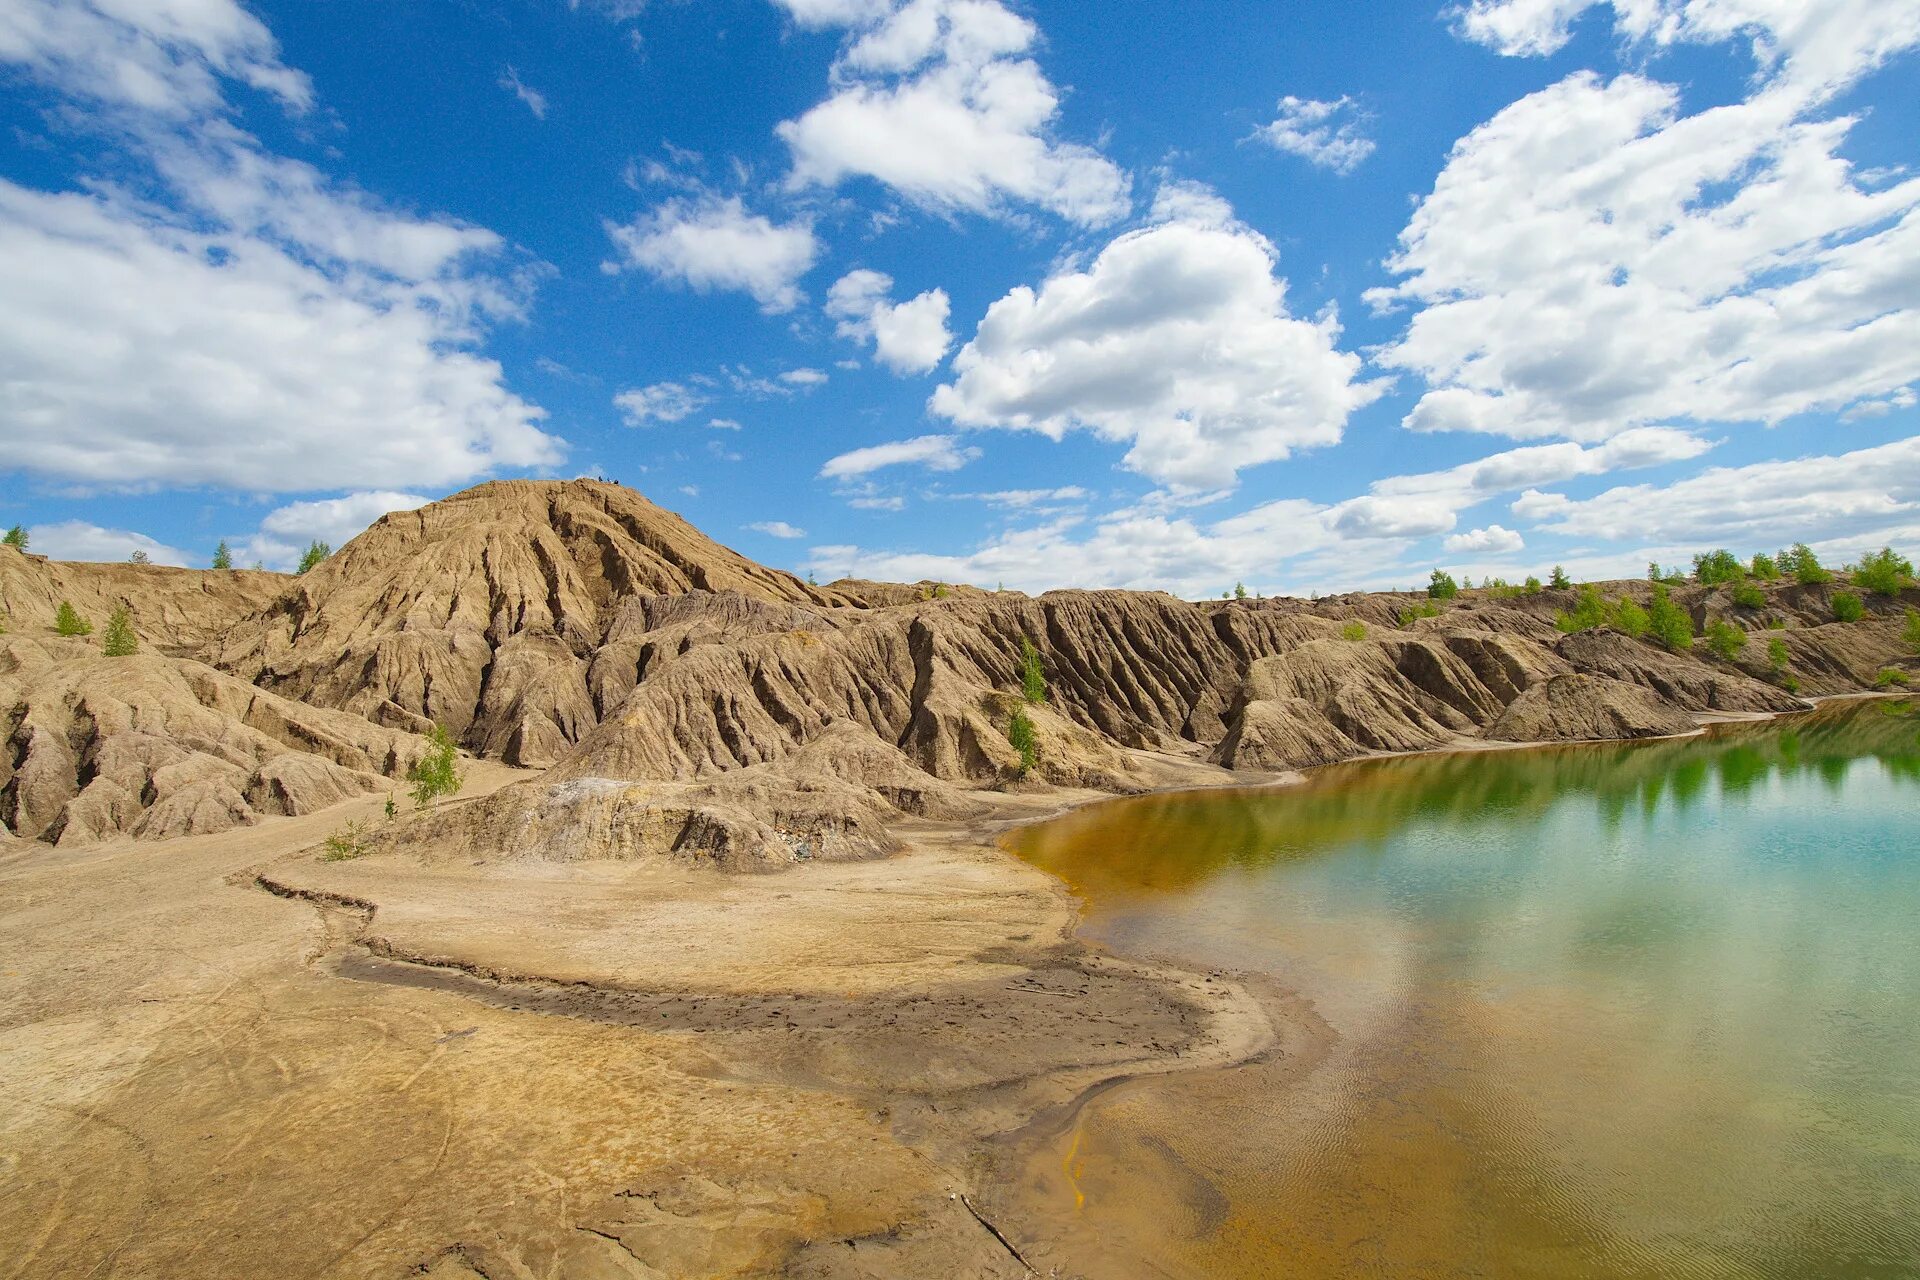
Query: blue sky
1309,296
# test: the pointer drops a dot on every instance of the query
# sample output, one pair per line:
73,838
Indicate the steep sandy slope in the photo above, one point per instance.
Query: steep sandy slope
481,612
180,610
155,746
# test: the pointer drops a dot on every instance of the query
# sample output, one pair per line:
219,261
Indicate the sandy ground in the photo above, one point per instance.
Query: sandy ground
221,1056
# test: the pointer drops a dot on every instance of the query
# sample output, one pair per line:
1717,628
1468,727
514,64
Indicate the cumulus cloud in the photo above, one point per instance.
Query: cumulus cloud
78,540
1492,540
907,337
661,402
804,378
1176,341
147,341
711,242
936,100
777,529
935,453
1590,260
285,533
1327,133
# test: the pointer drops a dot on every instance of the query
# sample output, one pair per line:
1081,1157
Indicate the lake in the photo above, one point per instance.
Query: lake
1646,1009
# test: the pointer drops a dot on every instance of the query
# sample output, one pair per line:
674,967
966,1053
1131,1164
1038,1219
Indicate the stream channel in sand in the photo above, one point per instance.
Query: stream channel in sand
1636,1010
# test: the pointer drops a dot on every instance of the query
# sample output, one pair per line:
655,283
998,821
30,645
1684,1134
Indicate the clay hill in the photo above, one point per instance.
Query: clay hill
684,700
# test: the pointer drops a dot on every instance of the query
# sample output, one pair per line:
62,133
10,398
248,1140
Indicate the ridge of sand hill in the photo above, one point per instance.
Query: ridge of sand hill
691,702
178,610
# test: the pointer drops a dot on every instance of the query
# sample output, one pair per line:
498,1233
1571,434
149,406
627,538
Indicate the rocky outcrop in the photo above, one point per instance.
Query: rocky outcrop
152,746
1690,681
1573,707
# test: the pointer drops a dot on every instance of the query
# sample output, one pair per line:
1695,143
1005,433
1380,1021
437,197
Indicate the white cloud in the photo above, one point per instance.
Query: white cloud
1531,465
723,424
1377,517
1327,133
1024,499
907,337
1867,495
78,540
1590,260
163,57
1813,48
1177,341
777,529
806,378
934,99
712,242
1492,541
660,402
284,533
535,101
935,453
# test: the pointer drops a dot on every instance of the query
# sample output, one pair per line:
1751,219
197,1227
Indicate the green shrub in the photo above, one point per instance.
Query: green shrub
1883,572
1033,681
1748,596
119,641
436,773
1712,568
1777,654
1354,631
1847,607
316,552
1559,580
1414,612
1805,567
1726,640
68,622
223,555
1668,622
1020,734
1628,618
1441,586
16,538
1889,677
1532,585
1911,632
1790,683
1763,567
1588,612
346,844
139,557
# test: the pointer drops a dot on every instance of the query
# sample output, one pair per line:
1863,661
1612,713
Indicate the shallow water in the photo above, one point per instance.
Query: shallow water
1648,1009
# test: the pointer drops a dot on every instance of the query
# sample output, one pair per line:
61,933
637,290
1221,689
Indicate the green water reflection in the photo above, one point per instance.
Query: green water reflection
1646,1009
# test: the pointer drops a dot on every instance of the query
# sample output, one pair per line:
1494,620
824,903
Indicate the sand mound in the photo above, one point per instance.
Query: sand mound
1575,707
153,746
177,610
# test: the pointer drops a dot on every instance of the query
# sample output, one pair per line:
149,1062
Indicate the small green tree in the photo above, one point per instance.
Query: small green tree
1712,568
1628,618
1911,632
118,641
1239,591
1883,572
1889,677
1588,612
1725,640
1748,596
1355,630
16,538
1653,571
1033,680
1414,612
1763,567
437,773
1804,566
139,556
1532,585
1668,622
316,552
1777,656
1847,607
68,622
1020,734
223,555
1559,580
1441,586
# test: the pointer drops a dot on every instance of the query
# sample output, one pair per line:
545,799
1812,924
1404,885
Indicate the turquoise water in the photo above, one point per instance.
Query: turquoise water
1647,1009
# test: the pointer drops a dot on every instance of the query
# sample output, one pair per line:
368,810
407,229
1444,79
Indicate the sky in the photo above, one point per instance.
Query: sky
1310,296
